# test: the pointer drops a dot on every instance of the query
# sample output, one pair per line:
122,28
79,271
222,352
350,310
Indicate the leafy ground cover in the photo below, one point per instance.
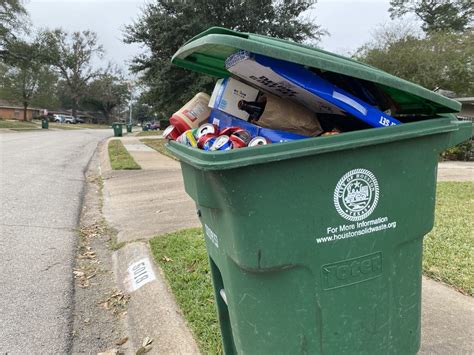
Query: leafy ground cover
148,133
78,126
182,255
448,251
17,125
120,158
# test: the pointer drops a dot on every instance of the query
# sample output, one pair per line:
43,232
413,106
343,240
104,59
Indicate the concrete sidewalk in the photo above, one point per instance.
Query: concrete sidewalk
141,204
456,171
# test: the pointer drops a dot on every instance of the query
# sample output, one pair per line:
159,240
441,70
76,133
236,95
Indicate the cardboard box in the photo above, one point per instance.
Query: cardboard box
297,83
227,94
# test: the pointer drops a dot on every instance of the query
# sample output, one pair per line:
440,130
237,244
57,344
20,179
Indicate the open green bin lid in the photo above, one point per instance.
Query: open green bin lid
207,52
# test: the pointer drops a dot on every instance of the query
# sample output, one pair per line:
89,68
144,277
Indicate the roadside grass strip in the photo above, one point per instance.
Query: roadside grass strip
448,257
448,251
149,133
17,125
183,258
66,126
159,146
120,158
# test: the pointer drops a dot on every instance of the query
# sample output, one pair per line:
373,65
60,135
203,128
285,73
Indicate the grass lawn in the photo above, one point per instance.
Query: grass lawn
78,126
149,133
448,256
449,248
17,125
120,158
183,258
159,146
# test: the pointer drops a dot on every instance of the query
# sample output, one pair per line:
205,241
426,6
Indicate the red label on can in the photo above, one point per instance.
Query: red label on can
229,130
237,142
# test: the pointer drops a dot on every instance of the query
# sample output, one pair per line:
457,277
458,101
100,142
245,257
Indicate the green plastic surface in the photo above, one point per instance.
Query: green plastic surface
263,210
117,127
288,275
207,52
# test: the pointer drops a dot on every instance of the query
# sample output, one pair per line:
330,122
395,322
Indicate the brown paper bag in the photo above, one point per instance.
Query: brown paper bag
286,115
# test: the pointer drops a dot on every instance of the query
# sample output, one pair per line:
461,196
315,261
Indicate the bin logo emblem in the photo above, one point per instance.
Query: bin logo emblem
356,195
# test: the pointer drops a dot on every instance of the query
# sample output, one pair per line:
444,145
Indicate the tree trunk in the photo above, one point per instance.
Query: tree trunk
75,104
25,111
107,117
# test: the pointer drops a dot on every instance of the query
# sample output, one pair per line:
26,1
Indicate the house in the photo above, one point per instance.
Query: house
12,111
467,109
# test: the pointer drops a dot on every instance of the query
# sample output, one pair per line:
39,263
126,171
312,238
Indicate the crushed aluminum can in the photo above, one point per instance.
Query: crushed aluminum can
209,143
222,143
258,141
237,142
171,132
194,132
191,139
207,128
204,139
187,138
229,130
241,137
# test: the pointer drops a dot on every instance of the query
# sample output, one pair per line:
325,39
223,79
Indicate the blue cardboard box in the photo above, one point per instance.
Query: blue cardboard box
295,82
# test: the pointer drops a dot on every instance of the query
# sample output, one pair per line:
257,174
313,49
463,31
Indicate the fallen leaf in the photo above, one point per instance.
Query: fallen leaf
110,352
88,255
146,346
87,320
166,259
147,341
121,341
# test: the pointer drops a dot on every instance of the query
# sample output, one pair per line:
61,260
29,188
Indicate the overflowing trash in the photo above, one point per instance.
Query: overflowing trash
266,100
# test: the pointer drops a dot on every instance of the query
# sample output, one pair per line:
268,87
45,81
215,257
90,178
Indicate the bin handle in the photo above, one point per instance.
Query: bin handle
463,133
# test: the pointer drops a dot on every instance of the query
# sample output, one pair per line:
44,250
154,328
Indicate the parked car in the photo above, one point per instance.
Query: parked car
58,118
70,119
79,119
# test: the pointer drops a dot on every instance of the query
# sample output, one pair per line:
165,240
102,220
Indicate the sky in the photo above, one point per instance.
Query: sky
349,22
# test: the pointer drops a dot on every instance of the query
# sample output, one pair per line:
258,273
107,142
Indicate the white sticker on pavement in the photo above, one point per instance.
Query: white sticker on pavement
141,273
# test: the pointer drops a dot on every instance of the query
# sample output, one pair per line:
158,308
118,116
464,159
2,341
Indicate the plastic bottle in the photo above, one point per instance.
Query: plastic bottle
193,114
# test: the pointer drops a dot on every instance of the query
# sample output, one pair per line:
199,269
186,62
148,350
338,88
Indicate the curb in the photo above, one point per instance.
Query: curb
152,309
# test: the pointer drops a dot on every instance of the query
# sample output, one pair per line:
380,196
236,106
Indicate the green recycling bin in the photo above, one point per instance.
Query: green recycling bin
315,246
44,123
117,127
129,128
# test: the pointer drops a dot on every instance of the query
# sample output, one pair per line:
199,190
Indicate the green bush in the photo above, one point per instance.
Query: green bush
459,152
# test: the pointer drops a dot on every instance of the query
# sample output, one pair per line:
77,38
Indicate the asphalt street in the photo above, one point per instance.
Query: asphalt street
41,187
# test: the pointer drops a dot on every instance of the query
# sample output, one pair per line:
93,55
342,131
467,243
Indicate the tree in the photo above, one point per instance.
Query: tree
11,14
441,59
436,15
27,76
107,93
142,113
72,56
166,25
